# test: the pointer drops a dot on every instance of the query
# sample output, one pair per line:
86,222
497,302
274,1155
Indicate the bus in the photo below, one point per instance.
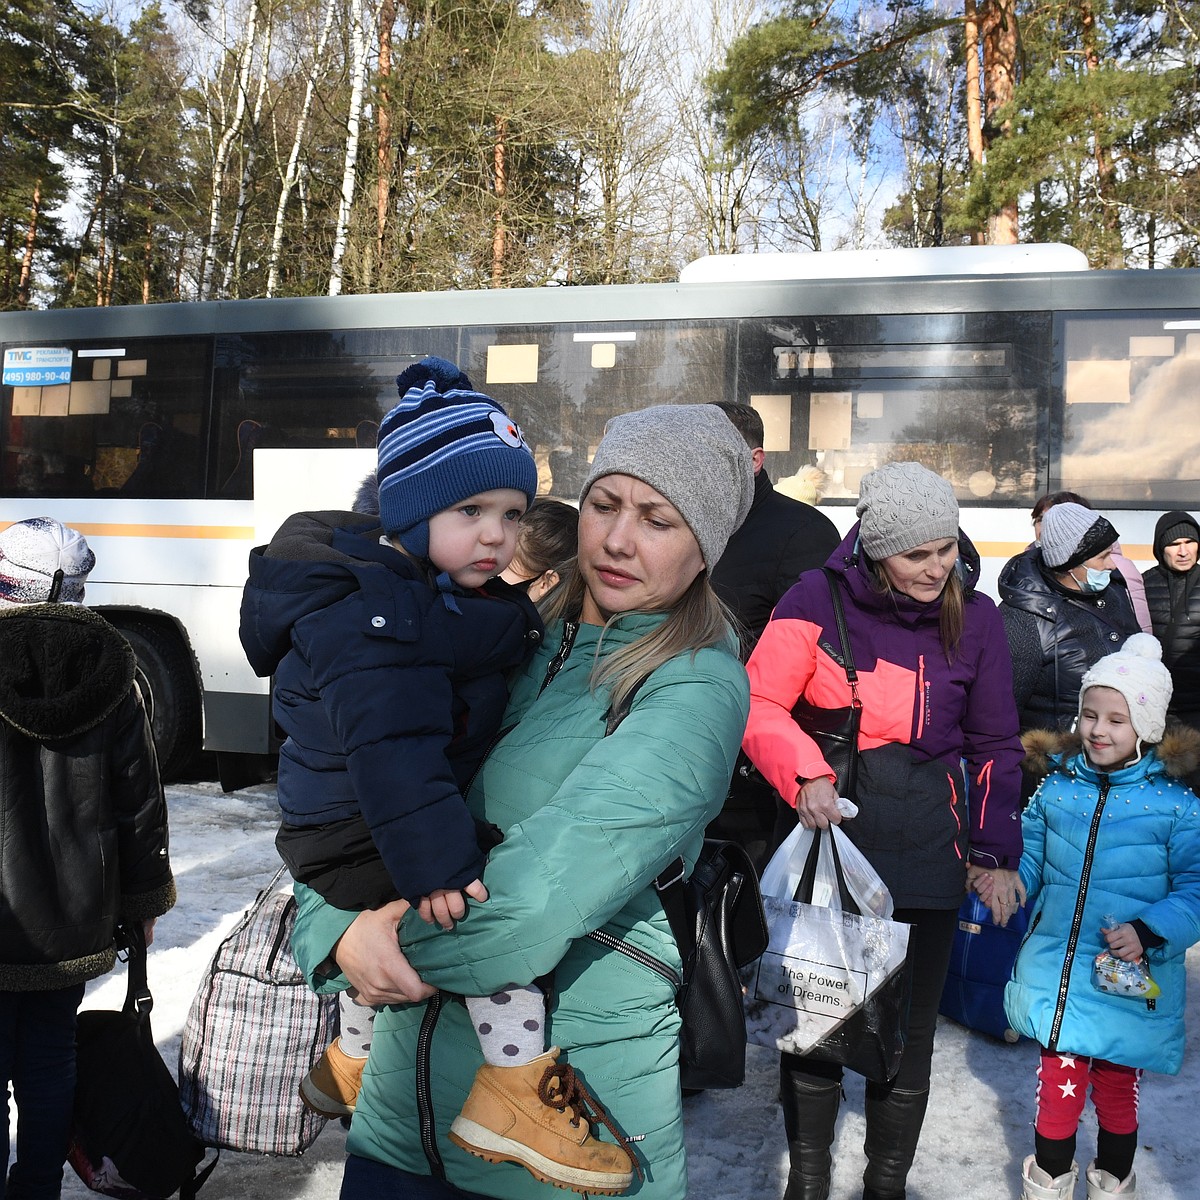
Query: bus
177,436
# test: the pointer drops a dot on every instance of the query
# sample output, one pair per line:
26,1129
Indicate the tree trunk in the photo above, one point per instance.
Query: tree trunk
147,258
358,51
1106,175
383,126
974,99
24,282
501,190
292,172
998,31
233,259
208,251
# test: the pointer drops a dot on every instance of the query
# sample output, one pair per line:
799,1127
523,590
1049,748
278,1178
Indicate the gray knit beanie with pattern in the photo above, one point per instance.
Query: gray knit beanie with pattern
1071,534
902,505
692,455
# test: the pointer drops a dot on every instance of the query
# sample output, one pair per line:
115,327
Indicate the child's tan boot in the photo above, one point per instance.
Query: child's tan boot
331,1088
540,1116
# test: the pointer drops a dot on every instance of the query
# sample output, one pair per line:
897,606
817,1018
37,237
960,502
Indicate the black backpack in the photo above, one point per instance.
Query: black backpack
129,1137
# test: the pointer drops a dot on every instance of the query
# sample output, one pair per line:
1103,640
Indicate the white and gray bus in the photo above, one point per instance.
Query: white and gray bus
175,436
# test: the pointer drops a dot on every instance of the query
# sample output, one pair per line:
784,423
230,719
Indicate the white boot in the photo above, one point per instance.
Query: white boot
1101,1184
1039,1185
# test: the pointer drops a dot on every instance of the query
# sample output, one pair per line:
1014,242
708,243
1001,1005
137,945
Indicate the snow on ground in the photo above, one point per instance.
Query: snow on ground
980,1117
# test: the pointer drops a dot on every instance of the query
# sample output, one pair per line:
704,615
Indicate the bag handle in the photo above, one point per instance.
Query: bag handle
808,876
131,938
839,615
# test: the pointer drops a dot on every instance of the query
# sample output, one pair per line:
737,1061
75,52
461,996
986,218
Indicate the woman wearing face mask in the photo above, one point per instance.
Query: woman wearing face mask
1064,608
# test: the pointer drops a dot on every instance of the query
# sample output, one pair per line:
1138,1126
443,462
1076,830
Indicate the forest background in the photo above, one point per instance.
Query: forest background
205,149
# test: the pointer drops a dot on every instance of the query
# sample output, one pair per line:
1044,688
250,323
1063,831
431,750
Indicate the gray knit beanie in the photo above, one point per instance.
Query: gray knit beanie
692,455
1071,534
43,561
902,505
1137,672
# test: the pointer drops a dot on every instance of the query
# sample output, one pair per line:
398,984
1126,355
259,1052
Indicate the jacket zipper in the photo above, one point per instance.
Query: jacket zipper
922,699
1085,874
638,956
433,1010
433,1007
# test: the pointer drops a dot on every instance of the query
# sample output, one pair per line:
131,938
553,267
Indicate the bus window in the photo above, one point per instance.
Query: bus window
963,393
1123,439
128,422
306,391
562,383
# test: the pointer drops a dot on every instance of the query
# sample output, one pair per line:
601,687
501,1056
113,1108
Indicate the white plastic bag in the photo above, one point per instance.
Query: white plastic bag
781,877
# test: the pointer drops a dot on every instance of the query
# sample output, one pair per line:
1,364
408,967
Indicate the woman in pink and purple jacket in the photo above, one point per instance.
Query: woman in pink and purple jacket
935,681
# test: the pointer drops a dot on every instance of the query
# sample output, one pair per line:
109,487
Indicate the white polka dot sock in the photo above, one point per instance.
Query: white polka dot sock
511,1025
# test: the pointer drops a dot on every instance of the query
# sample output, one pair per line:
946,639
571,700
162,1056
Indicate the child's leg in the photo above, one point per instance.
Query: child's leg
1115,1091
331,1088
510,1024
525,1108
1061,1092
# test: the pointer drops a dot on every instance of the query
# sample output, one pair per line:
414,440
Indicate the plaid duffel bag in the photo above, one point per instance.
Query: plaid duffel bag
254,1030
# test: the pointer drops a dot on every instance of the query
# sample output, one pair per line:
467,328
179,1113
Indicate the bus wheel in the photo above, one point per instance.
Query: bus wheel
166,673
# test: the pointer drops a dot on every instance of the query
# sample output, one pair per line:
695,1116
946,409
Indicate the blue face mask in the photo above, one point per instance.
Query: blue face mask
1095,581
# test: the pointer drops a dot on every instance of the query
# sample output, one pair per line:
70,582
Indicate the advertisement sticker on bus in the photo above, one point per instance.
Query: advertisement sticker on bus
36,365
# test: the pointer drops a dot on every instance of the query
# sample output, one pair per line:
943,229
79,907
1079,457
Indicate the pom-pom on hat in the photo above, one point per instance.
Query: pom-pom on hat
444,442
902,505
1071,534
694,456
43,561
1137,672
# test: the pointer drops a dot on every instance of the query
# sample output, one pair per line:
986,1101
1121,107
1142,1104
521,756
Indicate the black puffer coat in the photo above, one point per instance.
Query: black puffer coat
1174,601
1055,634
83,840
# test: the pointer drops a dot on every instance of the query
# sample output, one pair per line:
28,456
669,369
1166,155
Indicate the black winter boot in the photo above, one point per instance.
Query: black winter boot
810,1109
893,1130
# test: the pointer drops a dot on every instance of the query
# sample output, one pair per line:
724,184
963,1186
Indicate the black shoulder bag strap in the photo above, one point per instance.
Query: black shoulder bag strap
839,615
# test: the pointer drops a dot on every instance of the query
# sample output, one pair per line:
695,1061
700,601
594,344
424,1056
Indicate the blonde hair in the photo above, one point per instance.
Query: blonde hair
697,620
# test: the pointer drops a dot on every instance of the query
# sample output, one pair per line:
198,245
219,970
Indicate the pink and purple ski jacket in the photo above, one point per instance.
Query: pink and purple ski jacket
952,715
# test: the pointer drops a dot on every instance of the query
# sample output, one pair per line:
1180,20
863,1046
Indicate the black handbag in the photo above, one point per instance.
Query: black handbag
716,915
871,1041
129,1137
835,730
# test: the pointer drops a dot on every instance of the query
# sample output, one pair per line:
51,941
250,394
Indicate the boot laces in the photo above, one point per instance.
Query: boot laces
561,1089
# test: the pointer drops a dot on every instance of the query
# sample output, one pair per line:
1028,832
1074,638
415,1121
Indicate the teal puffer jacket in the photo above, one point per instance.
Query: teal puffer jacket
588,822
1126,845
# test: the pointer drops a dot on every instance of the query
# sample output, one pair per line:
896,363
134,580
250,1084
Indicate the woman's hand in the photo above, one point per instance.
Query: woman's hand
369,955
816,805
1124,942
1001,890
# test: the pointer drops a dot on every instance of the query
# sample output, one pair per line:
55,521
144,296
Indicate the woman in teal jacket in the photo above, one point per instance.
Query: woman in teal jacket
588,820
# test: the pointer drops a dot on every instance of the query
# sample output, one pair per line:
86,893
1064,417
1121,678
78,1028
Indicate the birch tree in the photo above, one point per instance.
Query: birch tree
360,16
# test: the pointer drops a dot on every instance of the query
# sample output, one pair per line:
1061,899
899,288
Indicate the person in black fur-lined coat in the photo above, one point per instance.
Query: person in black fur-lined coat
84,822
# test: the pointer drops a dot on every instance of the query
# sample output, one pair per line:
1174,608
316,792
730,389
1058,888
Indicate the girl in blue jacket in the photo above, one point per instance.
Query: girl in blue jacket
1111,863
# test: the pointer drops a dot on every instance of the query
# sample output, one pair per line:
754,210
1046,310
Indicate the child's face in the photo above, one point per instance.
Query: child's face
474,539
1108,736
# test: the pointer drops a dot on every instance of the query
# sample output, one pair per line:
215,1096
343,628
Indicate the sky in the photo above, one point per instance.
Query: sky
978,1130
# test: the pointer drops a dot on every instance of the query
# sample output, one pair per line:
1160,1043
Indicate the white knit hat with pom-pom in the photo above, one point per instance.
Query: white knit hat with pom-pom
1137,672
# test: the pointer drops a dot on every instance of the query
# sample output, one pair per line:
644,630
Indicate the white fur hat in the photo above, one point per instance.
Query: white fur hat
1137,672
43,560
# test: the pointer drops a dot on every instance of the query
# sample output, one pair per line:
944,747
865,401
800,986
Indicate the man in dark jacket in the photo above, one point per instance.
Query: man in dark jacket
1174,600
779,540
85,827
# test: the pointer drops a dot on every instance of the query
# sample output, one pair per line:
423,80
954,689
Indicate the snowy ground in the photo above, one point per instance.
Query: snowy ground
980,1118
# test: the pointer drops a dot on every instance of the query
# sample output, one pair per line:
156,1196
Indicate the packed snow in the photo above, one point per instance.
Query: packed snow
980,1116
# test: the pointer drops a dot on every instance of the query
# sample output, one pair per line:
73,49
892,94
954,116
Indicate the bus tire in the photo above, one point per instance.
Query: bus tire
166,672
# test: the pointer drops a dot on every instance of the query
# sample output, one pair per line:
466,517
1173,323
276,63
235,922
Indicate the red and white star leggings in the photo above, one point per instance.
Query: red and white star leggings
1063,1081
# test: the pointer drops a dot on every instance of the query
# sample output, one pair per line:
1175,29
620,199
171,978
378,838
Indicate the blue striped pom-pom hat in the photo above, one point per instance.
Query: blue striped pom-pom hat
442,443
